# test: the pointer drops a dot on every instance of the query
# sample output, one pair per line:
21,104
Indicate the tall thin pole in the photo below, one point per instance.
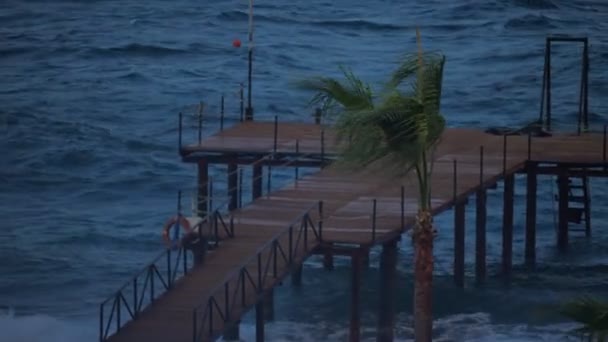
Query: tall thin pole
249,110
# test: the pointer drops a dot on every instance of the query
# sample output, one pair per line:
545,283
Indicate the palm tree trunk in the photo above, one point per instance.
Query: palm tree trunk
423,274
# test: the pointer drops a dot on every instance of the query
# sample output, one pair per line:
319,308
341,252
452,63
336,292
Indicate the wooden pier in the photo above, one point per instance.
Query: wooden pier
334,211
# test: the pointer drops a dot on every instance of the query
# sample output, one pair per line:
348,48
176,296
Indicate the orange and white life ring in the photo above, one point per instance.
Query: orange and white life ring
183,223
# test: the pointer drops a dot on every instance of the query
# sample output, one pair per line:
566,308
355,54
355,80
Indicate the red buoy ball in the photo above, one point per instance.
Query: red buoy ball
236,43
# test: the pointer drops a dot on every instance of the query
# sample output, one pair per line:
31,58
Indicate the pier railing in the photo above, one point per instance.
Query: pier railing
158,277
243,287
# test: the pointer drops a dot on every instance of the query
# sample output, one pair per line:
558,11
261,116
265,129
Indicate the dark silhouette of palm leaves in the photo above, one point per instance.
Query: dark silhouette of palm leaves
401,124
592,315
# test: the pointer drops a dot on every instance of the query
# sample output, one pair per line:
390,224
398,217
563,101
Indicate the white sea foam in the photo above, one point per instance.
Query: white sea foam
39,328
461,327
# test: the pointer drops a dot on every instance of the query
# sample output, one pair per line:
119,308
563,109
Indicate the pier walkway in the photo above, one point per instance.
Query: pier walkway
268,239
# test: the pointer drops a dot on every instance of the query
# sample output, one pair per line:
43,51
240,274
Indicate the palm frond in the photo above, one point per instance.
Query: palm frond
330,94
591,314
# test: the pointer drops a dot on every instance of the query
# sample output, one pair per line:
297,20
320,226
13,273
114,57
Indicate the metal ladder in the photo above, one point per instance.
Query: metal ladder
579,203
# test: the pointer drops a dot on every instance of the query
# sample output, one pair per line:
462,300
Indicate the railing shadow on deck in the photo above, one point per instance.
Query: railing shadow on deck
243,287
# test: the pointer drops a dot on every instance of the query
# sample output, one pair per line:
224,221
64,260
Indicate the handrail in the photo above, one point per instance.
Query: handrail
203,314
137,289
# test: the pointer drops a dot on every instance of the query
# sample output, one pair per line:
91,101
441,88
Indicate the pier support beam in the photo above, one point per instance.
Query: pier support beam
507,226
231,332
328,259
296,276
256,187
355,319
259,321
232,186
562,227
269,306
388,277
365,257
531,187
202,193
480,235
459,215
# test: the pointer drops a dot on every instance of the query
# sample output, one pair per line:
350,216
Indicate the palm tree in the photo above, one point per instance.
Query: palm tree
592,315
398,127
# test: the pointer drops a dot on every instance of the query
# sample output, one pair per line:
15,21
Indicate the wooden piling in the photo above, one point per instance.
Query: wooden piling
256,178
355,319
531,190
202,191
507,225
259,321
562,228
388,277
459,226
232,173
480,224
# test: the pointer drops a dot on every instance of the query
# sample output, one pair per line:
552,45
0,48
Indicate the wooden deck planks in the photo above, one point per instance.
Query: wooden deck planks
347,196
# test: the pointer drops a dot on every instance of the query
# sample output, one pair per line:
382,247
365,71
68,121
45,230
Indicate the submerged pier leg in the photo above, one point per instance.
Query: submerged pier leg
388,276
562,231
202,193
459,214
256,188
232,185
365,257
355,319
531,187
480,235
507,226
259,321
269,306
231,332
296,276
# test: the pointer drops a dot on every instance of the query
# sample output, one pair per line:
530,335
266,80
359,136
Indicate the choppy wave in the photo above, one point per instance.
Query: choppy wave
137,49
530,22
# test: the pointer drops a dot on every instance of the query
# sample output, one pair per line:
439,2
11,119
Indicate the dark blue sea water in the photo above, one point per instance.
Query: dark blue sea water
89,96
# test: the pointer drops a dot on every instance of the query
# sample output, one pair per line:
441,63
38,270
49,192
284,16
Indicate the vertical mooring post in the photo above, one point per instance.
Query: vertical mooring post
548,66
259,321
355,319
531,187
459,216
480,224
269,305
507,225
296,276
388,277
231,332
256,178
233,179
202,190
562,227
328,257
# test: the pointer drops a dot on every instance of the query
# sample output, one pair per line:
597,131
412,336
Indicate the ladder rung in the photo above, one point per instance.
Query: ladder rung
577,199
573,198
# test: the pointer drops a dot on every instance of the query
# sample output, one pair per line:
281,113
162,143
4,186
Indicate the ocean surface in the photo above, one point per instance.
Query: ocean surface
89,96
